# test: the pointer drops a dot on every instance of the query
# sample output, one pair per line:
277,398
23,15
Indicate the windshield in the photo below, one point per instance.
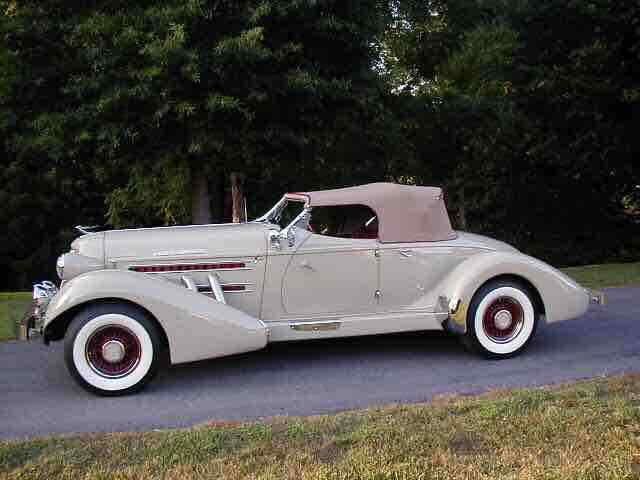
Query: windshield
284,212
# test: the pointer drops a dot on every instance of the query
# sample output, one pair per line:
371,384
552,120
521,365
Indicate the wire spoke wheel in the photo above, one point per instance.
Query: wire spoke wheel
113,351
503,319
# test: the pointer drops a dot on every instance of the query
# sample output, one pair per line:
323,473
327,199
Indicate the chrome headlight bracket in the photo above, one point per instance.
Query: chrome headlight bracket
60,267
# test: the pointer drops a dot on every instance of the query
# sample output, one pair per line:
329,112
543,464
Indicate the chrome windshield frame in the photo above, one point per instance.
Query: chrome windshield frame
266,218
278,207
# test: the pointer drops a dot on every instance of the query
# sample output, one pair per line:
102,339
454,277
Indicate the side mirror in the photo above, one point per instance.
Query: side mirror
274,239
291,236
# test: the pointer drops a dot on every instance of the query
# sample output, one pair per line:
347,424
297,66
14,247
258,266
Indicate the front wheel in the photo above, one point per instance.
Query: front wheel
501,320
112,349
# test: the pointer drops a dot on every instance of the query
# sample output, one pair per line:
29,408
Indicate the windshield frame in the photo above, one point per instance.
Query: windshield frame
277,209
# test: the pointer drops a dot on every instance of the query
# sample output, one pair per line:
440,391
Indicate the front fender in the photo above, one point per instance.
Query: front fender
196,325
562,297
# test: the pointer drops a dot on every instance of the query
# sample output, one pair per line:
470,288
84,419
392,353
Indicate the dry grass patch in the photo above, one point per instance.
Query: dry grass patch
590,430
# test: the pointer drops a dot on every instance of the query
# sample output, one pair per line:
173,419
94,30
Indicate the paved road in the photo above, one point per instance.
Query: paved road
37,396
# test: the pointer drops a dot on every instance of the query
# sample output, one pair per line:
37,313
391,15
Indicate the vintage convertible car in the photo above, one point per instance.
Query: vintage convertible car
363,260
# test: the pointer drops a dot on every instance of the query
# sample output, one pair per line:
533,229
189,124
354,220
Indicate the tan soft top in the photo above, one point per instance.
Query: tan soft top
405,213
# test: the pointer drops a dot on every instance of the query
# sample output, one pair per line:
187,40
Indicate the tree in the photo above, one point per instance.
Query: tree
171,95
524,120
41,193
154,106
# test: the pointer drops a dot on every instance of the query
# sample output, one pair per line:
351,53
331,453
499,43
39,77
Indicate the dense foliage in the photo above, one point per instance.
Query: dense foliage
527,118
113,111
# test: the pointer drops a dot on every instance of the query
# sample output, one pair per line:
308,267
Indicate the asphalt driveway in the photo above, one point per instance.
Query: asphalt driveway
38,397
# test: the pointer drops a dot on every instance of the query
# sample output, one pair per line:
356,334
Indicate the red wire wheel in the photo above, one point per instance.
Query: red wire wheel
113,351
503,319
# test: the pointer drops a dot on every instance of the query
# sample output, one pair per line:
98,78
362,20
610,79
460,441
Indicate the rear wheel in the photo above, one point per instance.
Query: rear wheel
501,320
113,349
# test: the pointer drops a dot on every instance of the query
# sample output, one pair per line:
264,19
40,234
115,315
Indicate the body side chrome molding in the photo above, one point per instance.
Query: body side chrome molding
315,326
176,253
220,266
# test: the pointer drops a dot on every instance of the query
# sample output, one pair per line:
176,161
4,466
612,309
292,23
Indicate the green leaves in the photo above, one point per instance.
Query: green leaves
523,111
481,66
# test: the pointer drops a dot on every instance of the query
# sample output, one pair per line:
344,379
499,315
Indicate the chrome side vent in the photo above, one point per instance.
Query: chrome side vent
189,283
214,286
216,289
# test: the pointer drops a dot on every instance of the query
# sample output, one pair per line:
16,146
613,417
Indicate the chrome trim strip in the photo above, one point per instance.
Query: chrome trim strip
176,253
212,262
190,271
189,283
180,226
315,326
205,289
227,292
206,285
132,267
216,289
208,292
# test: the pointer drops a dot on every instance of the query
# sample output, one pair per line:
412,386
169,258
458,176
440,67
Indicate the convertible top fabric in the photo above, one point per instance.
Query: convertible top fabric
405,213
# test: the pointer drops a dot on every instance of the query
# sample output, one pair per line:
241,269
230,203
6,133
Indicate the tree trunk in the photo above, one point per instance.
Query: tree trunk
217,193
200,202
237,198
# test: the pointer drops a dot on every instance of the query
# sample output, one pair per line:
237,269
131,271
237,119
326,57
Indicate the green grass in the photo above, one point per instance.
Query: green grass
608,275
589,430
12,308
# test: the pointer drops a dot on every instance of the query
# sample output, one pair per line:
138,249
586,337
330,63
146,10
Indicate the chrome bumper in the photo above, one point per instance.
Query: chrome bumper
596,297
33,319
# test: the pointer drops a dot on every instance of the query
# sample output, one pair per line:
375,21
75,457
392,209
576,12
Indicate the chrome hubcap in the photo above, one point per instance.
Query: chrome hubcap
113,351
502,319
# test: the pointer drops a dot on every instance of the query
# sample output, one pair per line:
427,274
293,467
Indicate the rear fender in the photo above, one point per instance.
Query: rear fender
562,298
196,326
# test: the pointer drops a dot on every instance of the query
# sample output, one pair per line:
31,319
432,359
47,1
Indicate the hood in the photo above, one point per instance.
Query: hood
186,242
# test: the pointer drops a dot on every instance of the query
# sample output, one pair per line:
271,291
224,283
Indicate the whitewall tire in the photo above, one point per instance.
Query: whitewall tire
501,320
113,348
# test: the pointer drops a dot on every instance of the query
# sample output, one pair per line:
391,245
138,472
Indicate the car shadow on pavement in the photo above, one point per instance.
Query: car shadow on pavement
327,354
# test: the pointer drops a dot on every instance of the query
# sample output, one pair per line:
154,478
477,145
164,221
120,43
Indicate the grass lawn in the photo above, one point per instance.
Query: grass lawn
608,275
589,430
13,305
12,308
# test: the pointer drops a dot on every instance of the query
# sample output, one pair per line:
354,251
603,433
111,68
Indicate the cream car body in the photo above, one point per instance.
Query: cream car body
216,290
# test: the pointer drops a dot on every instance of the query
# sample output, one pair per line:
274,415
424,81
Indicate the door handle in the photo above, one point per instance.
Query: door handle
406,253
306,264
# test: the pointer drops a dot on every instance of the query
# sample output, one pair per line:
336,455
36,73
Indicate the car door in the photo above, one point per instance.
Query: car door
330,276
409,273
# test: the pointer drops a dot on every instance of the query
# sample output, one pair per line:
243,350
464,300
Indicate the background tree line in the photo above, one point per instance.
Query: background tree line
146,113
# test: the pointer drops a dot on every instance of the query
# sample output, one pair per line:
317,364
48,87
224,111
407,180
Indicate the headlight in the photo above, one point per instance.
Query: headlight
60,266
